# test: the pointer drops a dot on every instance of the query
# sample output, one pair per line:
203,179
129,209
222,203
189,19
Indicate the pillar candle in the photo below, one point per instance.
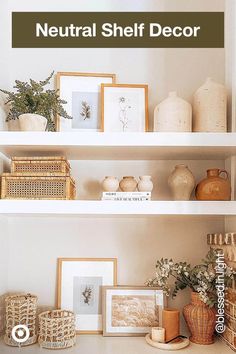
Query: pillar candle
158,334
170,321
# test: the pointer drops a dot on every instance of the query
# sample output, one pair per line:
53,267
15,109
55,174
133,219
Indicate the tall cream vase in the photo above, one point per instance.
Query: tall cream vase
181,183
173,115
210,108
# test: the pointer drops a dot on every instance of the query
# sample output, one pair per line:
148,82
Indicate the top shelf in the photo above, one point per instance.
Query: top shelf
120,146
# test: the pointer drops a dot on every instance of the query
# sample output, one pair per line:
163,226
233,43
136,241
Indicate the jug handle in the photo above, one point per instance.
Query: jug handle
226,173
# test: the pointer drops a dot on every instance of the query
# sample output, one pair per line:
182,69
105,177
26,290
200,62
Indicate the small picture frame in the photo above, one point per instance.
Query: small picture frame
82,92
79,289
131,311
124,107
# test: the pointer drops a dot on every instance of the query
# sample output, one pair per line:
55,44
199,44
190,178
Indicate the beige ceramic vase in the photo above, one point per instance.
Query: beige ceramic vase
181,183
128,184
32,122
145,184
173,115
214,187
110,184
210,108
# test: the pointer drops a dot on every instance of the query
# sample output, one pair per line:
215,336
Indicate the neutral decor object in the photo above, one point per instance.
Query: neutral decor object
131,311
201,320
56,165
110,184
31,102
158,334
21,311
181,182
179,343
173,115
124,108
82,92
80,282
57,329
214,187
128,184
171,323
210,108
145,184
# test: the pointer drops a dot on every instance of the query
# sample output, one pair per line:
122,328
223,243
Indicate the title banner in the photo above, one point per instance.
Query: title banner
117,29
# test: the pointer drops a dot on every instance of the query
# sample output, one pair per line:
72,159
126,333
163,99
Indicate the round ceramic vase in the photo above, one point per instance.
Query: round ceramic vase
110,184
145,184
210,108
128,184
181,183
173,115
32,122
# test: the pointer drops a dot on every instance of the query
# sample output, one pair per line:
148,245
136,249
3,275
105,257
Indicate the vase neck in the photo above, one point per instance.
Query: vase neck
214,172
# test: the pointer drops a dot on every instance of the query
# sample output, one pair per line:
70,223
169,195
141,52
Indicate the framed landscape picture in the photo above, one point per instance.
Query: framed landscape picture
80,282
82,91
124,108
131,311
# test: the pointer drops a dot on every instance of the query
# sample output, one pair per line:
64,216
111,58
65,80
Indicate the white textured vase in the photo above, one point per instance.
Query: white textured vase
181,183
173,115
32,122
145,184
210,108
110,184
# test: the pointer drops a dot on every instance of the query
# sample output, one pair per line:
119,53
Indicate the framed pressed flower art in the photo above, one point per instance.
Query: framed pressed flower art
124,108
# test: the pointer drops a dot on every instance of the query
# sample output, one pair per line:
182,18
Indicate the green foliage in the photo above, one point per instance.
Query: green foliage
32,97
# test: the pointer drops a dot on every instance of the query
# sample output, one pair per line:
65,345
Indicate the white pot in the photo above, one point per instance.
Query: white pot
145,184
181,183
32,122
210,108
173,115
110,184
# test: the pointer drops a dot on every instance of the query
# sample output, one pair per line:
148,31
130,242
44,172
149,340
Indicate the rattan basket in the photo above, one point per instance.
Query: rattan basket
21,310
49,188
34,166
57,329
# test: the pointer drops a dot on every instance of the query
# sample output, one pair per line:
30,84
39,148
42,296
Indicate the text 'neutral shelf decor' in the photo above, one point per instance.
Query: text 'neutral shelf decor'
80,282
131,311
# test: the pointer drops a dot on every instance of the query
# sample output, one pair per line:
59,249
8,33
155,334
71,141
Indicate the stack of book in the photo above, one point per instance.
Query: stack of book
127,196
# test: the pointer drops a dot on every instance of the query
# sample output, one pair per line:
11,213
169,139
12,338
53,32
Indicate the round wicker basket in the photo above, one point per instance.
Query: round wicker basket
21,310
57,329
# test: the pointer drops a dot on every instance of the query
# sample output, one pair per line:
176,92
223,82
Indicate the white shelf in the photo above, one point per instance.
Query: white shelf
111,208
120,146
130,345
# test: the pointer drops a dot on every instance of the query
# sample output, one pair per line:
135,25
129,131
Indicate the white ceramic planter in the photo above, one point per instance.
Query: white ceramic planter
181,183
173,115
210,108
32,122
110,184
145,184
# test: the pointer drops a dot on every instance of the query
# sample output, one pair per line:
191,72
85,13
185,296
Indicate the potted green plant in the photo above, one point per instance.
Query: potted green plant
203,280
35,106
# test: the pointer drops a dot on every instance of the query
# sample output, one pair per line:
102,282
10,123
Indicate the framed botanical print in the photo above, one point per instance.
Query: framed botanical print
131,311
82,93
124,108
80,282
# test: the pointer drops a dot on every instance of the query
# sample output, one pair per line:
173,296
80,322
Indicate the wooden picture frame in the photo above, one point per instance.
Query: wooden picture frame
74,87
73,277
113,107
113,297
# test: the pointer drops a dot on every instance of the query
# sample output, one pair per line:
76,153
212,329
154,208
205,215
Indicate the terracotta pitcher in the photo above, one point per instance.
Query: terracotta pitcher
214,187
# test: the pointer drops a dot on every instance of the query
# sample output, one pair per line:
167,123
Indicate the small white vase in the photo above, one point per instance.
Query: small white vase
181,183
110,184
145,184
173,115
32,122
210,108
128,184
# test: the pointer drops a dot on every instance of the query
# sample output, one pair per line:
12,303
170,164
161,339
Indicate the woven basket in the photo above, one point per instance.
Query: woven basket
57,329
200,319
33,166
21,310
49,188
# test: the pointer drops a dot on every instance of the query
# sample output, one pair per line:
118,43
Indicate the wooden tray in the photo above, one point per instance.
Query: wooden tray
179,343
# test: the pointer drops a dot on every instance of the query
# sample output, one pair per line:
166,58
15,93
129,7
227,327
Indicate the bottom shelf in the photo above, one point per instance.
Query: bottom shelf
96,344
